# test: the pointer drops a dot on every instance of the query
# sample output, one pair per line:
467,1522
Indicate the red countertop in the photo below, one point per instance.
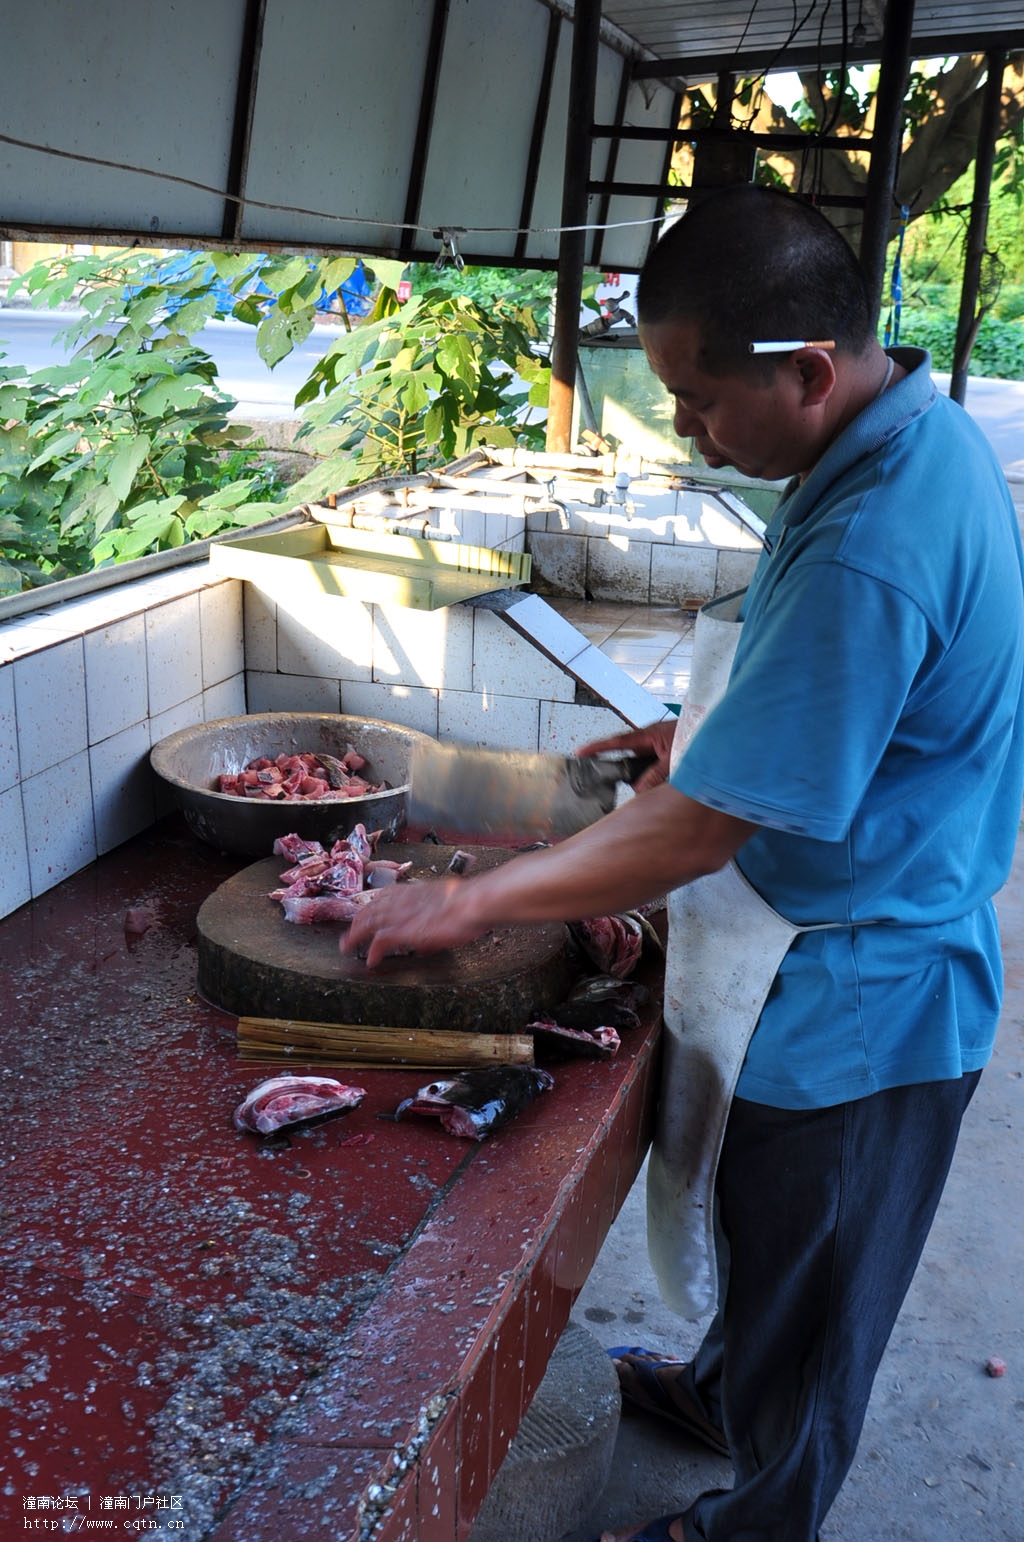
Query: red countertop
331,1334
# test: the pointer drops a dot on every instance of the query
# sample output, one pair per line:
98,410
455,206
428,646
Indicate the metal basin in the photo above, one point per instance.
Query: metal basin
191,761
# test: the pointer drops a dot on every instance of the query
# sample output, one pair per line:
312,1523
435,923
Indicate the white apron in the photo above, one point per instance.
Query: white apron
725,947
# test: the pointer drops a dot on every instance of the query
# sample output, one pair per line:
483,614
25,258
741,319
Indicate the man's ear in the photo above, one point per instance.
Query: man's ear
817,374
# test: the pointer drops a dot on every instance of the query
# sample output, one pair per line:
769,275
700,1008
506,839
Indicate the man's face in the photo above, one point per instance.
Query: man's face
762,428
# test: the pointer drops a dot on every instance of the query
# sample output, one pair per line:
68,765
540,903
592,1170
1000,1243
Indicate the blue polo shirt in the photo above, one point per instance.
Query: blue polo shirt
872,729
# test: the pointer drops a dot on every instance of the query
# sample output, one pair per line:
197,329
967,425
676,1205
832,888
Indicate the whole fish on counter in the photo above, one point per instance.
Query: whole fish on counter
476,1103
602,1001
288,1100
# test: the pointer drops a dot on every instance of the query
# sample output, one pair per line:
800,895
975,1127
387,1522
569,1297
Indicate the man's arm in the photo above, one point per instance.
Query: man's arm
651,844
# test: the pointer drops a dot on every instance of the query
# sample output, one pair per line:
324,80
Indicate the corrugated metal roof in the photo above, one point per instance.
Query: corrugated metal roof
335,124
696,38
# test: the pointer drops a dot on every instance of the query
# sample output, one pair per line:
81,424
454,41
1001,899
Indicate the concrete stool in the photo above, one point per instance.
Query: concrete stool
561,1456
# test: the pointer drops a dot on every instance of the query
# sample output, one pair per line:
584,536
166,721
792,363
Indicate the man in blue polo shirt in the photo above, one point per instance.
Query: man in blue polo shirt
865,770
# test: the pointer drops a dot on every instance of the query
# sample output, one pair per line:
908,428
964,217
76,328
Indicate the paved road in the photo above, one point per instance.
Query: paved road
32,338
997,406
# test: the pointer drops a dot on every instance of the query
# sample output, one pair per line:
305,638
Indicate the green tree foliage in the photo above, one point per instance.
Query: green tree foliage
119,451
419,384
129,447
523,288
932,264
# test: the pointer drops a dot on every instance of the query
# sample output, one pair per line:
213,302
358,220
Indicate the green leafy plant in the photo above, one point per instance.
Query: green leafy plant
119,451
998,351
129,447
520,287
417,385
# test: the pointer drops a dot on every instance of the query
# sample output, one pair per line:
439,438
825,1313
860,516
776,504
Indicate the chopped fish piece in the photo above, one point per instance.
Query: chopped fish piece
478,1102
605,987
382,873
612,943
323,886
288,1100
301,778
295,848
314,909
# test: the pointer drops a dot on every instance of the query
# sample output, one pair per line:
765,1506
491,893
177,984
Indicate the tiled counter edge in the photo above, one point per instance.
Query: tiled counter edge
401,1438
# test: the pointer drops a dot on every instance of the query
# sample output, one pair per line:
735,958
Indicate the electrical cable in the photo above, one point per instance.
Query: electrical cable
796,28
321,214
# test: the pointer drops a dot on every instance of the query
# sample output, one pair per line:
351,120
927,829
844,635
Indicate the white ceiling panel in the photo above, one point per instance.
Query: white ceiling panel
334,121
339,124
102,81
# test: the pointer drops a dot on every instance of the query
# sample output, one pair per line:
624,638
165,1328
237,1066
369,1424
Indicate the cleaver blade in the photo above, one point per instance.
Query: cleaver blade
512,793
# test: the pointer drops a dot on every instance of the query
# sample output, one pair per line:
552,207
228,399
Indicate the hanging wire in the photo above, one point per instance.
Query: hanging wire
320,214
758,81
892,324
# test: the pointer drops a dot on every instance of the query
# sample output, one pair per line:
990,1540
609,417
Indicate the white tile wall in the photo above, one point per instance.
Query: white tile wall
185,715
92,684
8,730
564,728
173,653
28,635
122,786
291,693
608,553
405,704
501,722
500,532
683,572
49,698
432,648
260,629
703,519
506,664
220,625
619,569
735,570
332,636
116,688
15,884
472,527
59,821
559,563
225,700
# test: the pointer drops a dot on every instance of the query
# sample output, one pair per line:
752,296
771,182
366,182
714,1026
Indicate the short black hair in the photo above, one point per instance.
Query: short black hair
749,263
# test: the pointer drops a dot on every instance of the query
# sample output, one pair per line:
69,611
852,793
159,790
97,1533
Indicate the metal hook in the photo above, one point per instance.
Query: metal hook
449,252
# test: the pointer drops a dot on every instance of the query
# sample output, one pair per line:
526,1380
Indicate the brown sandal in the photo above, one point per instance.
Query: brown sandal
643,1388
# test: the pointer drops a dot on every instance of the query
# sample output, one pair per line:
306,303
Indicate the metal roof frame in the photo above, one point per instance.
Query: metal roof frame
538,131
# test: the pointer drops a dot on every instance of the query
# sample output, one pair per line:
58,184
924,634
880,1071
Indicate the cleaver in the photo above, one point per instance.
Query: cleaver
487,793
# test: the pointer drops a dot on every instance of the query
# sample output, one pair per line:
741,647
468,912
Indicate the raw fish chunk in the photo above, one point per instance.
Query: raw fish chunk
288,1100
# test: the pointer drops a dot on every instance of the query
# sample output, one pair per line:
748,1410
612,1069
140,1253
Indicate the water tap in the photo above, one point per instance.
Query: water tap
620,493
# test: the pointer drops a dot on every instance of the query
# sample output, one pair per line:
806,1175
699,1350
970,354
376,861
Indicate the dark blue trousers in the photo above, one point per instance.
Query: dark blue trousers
823,1215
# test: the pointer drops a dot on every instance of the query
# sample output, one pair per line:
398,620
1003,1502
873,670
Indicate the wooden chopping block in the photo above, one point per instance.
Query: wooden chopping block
254,963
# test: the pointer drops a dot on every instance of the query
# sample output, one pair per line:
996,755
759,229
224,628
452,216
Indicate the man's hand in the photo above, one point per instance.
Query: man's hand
654,740
637,853
422,916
